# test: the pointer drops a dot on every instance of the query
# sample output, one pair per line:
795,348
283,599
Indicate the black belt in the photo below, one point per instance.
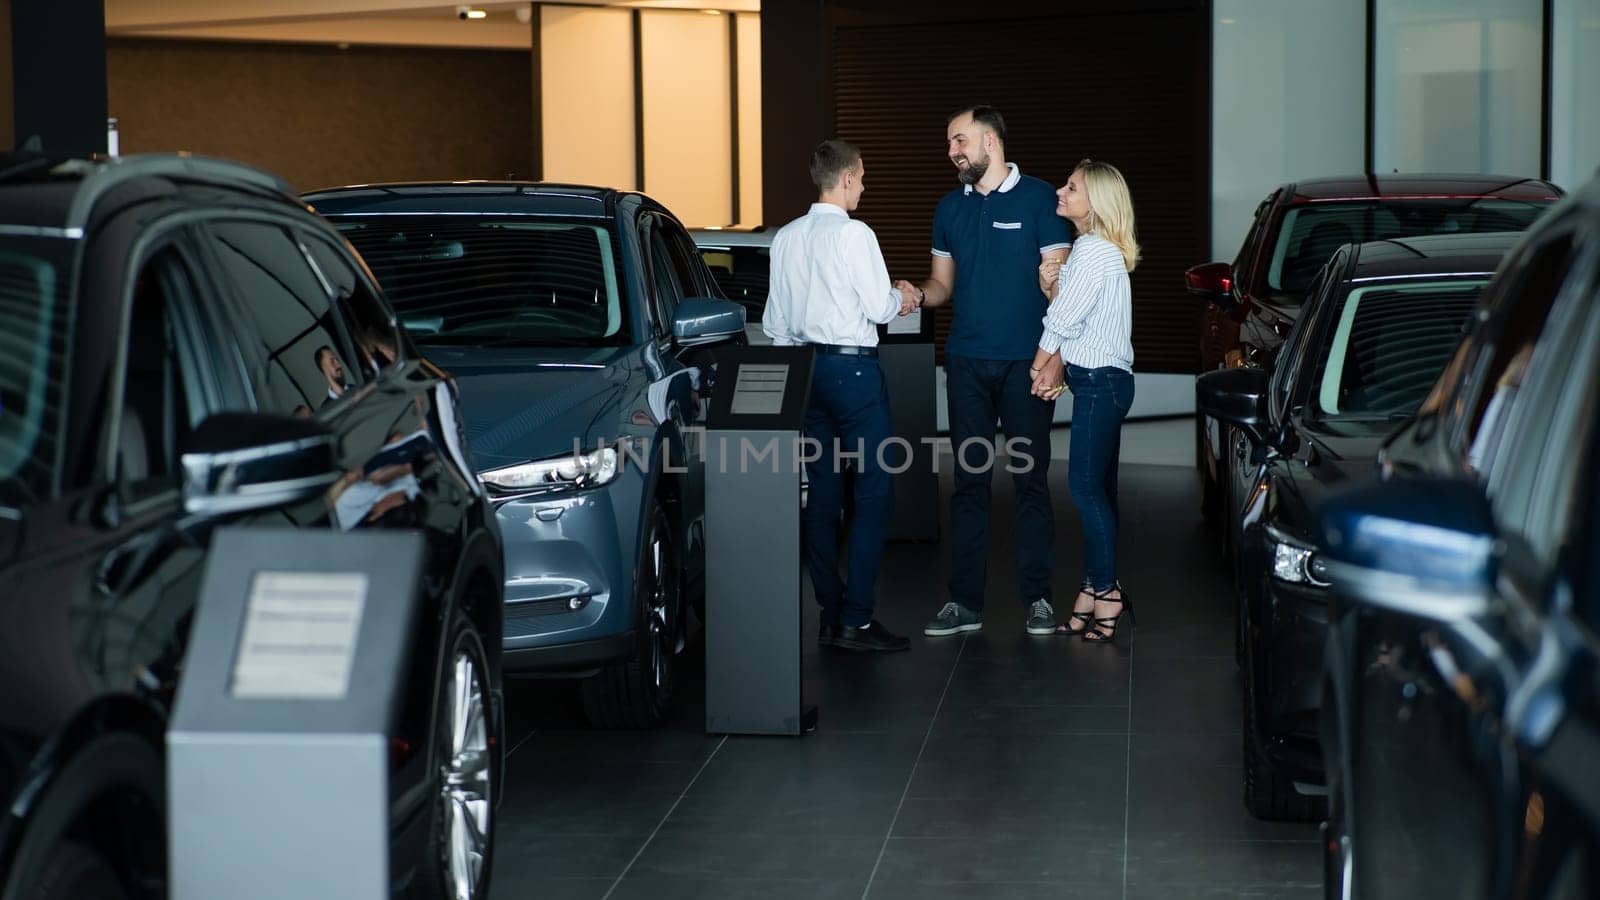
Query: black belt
845,349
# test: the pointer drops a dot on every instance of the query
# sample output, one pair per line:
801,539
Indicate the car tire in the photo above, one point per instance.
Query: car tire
76,871
460,855
1268,795
638,692
54,863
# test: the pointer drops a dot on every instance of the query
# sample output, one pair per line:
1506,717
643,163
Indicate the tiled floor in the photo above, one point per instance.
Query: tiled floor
996,765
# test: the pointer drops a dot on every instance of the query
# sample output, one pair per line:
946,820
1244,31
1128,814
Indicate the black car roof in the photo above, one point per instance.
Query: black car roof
529,198
63,193
1421,185
1437,254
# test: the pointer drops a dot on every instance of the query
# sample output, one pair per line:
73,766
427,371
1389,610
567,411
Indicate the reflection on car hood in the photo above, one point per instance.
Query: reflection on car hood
521,404
1340,452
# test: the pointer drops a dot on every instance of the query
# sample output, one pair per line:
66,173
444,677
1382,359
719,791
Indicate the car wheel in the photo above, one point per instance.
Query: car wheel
77,871
1267,793
111,792
464,744
638,692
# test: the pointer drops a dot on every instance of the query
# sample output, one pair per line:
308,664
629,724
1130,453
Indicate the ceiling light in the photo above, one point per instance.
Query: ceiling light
477,14
712,12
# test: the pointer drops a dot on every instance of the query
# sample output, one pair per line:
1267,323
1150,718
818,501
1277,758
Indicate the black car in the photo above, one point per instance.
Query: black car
1380,321
184,346
1252,303
1462,728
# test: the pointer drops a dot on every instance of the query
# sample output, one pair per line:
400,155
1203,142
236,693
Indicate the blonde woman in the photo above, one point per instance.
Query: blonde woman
1087,347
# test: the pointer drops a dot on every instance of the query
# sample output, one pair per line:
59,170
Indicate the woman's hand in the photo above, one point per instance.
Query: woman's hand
1049,274
1049,377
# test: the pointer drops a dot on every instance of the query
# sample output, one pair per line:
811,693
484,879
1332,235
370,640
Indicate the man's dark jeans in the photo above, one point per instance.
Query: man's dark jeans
850,406
979,392
1101,399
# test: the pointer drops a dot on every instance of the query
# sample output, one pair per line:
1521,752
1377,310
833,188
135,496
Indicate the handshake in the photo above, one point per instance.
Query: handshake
911,296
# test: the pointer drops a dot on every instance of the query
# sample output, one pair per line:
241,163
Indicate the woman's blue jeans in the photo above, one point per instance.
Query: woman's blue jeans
1101,399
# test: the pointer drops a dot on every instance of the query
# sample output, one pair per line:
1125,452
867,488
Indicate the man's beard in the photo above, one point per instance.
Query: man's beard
974,171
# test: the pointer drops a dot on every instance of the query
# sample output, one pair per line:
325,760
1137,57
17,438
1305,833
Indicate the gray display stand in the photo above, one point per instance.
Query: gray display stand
909,372
753,551
278,754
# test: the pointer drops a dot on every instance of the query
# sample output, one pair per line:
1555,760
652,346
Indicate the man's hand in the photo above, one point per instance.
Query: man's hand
910,296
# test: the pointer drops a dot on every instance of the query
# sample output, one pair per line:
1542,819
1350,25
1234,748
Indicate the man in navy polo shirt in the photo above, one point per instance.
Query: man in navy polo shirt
990,236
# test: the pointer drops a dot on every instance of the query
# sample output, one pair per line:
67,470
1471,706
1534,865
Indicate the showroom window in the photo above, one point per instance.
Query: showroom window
1458,86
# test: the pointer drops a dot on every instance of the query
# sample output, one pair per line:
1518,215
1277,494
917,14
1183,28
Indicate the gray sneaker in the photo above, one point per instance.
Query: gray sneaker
1041,617
953,619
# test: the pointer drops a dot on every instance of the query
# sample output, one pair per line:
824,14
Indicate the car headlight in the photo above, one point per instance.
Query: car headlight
575,470
1294,561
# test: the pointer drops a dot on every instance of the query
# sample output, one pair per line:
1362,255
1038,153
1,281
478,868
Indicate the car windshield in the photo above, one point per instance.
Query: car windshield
1312,231
1385,346
485,281
33,288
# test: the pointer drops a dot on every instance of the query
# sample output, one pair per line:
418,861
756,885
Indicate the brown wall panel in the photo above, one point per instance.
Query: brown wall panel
1126,81
1111,87
321,116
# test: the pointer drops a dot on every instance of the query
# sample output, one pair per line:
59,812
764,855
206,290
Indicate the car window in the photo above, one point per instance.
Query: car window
741,274
1533,475
665,288
685,259
1312,231
1288,361
160,399
1250,248
1383,346
366,319
305,363
34,273
479,281
1521,310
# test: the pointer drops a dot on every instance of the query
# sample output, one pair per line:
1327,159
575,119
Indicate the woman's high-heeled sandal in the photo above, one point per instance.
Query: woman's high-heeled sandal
1086,617
1094,635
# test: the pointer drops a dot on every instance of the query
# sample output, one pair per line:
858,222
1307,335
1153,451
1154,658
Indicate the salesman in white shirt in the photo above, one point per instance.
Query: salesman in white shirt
829,290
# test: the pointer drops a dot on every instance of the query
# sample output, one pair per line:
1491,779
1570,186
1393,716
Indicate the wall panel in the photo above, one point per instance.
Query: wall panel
586,73
1129,96
688,128
320,116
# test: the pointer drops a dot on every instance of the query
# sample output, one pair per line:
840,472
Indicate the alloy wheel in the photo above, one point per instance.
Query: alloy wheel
464,784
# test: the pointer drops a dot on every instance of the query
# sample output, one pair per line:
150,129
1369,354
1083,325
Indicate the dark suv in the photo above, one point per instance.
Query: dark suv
1379,324
184,346
1252,303
1461,730
581,324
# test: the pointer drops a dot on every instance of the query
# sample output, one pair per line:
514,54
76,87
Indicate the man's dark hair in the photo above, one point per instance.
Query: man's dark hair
984,115
831,159
317,356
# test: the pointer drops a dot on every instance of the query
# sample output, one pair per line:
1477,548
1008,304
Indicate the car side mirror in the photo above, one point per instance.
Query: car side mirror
1237,397
1423,547
1213,283
244,462
703,320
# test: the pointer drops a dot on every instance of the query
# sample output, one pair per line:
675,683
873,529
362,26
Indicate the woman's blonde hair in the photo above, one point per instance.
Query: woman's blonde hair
1110,208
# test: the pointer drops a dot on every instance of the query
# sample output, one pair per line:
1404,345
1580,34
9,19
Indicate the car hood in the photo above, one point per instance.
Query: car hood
523,404
1335,454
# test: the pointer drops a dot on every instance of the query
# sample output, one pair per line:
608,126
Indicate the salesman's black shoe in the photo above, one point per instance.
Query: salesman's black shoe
871,637
827,634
